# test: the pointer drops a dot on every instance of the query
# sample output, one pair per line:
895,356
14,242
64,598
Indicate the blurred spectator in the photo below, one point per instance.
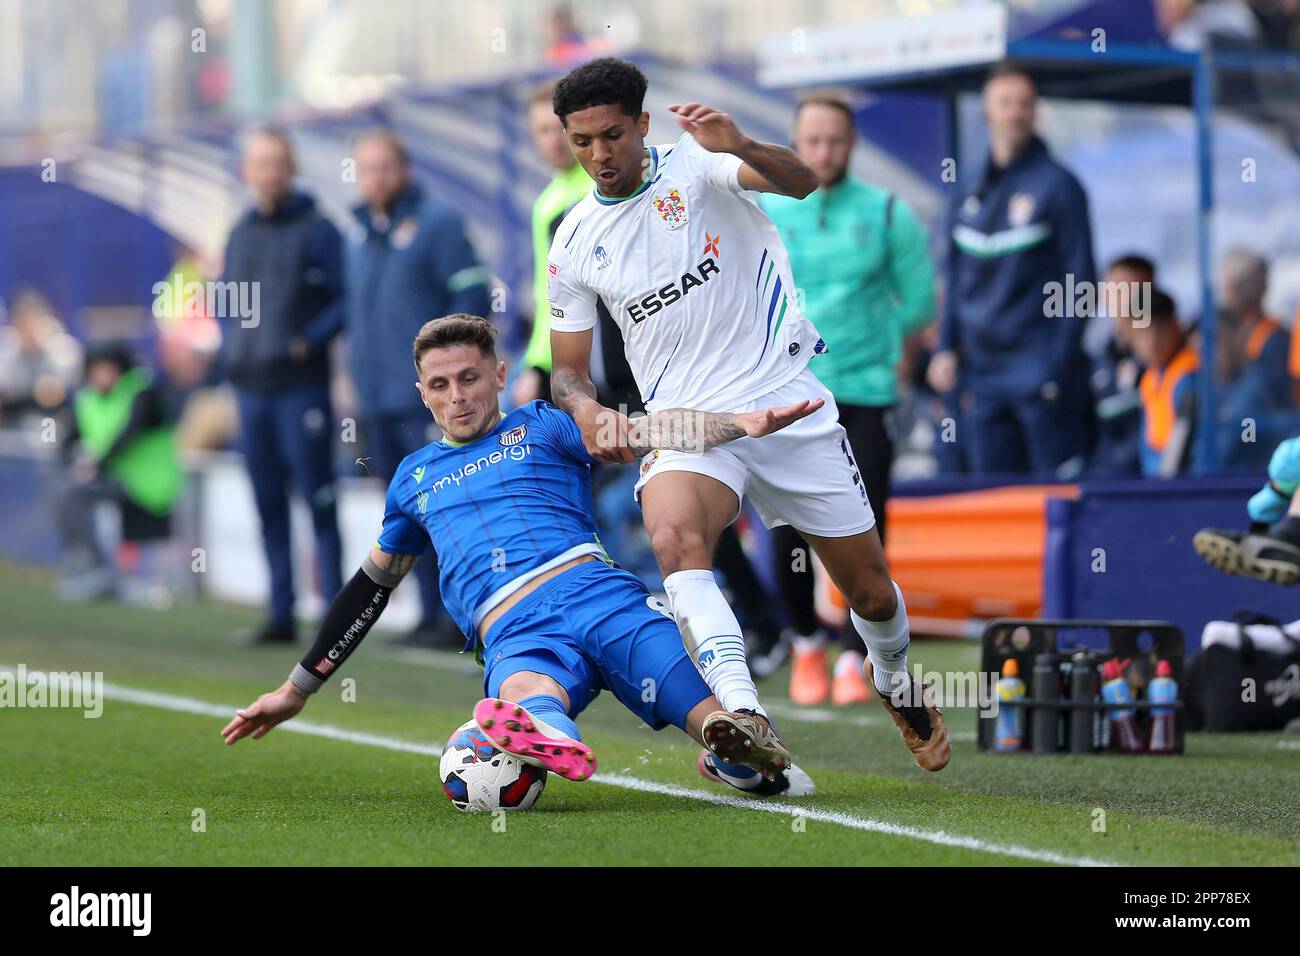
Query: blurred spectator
567,46
1020,226
1168,389
169,308
411,262
1117,450
209,415
1256,388
1293,358
568,185
1258,338
279,365
39,361
868,282
188,342
120,452
924,418
1228,24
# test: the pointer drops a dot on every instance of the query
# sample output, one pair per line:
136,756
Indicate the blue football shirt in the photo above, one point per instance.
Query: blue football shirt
499,510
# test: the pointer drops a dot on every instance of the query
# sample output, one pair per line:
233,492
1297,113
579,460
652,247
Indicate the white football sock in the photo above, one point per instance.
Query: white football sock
807,643
886,645
712,638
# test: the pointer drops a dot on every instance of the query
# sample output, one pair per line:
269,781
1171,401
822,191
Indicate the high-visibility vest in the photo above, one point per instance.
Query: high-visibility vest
1157,389
148,466
1262,331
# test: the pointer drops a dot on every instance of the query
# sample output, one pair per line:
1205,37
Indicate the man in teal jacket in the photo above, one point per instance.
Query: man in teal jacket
859,256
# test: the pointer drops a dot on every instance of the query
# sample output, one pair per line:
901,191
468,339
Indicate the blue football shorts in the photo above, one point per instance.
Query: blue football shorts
596,627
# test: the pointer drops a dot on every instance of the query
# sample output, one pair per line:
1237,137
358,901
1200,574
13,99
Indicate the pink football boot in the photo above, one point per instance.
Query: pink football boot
514,730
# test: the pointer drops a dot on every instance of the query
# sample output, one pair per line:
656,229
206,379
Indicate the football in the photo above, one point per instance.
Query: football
476,776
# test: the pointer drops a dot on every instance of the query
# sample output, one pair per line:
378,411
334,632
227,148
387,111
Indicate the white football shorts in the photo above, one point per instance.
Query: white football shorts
804,475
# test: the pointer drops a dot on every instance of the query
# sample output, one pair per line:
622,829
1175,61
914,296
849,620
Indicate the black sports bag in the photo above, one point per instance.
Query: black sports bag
1219,692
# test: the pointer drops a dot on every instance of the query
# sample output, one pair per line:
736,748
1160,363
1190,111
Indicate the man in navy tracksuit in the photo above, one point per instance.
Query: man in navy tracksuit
1008,335
278,363
409,262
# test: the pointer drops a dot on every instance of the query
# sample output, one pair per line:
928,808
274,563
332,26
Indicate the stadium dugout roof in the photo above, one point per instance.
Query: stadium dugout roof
1103,52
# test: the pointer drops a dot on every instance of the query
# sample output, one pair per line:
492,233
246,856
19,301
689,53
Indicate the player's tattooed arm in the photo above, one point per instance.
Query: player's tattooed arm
392,567
682,429
570,387
571,384
686,430
770,168
604,430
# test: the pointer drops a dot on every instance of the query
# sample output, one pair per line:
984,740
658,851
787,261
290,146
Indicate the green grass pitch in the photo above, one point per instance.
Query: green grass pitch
125,788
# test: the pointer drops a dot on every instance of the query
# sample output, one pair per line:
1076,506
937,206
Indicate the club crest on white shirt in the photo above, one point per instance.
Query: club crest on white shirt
648,461
671,208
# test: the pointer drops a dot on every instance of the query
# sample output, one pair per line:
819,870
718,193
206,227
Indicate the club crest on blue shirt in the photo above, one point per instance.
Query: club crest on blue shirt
403,233
1020,209
422,501
514,436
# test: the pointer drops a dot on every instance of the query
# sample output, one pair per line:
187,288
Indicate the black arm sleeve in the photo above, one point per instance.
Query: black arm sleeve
350,616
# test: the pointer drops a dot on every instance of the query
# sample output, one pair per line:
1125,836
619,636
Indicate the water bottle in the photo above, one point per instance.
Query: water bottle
1163,689
1009,729
1045,723
1123,721
1083,690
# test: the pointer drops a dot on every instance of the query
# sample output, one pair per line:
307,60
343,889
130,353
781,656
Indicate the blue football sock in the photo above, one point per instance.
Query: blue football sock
551,710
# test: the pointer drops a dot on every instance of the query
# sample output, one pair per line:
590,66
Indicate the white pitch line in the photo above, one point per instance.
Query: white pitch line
190,705
940,837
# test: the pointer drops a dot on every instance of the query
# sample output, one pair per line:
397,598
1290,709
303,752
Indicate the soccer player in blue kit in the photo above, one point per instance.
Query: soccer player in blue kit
506,501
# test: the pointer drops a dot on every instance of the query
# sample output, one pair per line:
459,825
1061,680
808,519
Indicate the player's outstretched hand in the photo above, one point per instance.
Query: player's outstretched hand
712,129
263,714
767,420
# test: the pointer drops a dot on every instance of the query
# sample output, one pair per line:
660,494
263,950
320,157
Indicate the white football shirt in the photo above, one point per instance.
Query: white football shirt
696,277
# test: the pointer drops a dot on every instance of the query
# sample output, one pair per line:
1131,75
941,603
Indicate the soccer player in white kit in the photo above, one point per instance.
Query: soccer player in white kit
698,281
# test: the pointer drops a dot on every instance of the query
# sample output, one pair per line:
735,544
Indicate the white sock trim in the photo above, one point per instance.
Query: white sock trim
887,643
806,643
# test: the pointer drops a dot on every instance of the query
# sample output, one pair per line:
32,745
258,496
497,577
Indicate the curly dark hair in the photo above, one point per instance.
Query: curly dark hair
597,83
